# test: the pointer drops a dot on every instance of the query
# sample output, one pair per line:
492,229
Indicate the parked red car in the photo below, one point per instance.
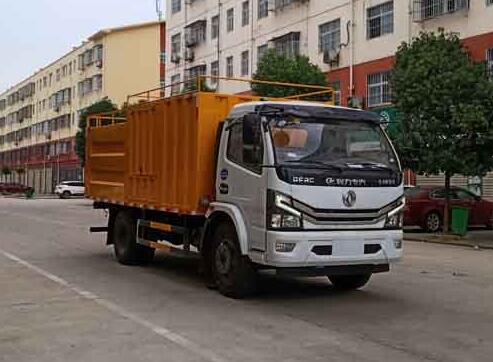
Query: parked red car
13,188
425,205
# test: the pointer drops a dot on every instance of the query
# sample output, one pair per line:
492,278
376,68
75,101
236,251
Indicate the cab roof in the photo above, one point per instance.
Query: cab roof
304,109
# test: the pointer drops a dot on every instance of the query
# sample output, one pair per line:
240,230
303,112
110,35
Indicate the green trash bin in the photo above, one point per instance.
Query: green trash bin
460,220
29,193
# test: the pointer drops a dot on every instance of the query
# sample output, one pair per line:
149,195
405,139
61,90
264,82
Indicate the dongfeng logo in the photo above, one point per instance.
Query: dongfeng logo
349,198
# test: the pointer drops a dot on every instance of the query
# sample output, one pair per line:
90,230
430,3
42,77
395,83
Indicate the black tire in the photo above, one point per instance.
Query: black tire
432,222
127,251
349,282
233,273
65,195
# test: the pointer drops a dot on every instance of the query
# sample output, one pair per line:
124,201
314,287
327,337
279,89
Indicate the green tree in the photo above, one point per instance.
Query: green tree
445,104
278,68
102,106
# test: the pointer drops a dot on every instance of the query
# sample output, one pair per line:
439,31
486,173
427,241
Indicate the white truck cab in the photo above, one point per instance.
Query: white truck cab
312,189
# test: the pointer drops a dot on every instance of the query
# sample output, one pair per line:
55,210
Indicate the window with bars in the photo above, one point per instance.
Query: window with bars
192,74
215,27
230,20
175,84
176,45
288,45
427,9
229,67
263,9
329,35
261,50
380,20
280,4
175,6
214,71
245,13
379,90
489,61
195,33
245,63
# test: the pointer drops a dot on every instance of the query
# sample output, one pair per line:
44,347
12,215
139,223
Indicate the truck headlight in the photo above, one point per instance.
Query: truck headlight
394,220
280,212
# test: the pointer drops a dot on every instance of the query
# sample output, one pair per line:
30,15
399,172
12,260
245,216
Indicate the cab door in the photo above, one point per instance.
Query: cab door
241,179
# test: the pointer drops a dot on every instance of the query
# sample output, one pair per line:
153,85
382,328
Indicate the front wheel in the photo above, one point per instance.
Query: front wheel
234,274
349,282
65,195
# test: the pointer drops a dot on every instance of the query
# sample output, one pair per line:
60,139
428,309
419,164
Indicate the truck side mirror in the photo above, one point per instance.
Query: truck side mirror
251,129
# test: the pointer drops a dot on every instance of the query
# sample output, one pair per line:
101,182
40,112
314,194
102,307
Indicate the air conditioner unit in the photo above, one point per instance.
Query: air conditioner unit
99,63
356,102
331,57
189,55
281,5
175,58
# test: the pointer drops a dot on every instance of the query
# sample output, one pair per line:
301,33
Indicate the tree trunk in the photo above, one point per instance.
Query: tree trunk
446,209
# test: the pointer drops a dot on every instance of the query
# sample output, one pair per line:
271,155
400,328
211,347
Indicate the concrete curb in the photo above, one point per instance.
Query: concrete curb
22,196
451,240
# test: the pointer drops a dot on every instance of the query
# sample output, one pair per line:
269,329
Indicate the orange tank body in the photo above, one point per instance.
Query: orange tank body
162,156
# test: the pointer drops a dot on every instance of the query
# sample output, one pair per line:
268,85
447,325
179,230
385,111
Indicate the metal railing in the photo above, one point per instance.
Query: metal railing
200,84
428,9
105,119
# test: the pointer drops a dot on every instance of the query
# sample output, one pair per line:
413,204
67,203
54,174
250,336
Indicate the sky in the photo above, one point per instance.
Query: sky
33,33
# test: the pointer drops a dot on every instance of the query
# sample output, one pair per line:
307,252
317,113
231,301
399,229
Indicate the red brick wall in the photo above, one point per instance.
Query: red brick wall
476,46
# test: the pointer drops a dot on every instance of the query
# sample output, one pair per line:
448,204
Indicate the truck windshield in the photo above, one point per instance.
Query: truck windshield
332,143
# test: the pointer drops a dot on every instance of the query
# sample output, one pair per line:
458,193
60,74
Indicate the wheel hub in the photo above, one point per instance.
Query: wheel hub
433,222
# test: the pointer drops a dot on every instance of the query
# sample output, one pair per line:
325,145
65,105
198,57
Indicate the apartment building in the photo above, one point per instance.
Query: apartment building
39,116
353,41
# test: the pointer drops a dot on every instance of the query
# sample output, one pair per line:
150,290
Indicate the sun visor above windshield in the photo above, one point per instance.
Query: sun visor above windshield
321,112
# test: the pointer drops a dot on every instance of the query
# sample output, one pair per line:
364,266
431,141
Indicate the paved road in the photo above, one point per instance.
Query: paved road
64,298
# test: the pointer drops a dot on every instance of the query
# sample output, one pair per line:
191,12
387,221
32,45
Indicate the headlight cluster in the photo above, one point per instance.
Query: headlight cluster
394,219
280,212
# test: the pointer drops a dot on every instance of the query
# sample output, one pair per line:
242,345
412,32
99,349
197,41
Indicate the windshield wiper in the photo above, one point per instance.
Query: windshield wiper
314,164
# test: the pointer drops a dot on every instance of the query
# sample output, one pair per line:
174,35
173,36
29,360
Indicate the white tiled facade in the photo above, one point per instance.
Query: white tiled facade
346,32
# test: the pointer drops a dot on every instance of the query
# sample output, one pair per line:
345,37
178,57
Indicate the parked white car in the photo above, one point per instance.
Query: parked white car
68,189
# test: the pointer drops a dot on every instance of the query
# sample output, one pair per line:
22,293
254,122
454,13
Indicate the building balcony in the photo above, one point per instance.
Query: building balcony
429,9
284,4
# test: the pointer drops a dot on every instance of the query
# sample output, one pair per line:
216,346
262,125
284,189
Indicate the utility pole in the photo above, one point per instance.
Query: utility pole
159,11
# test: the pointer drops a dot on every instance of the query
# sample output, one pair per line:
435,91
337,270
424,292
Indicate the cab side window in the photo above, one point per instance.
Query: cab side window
248,155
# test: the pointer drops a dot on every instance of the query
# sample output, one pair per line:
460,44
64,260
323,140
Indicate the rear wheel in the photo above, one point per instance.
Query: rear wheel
349,282
433,222
234,274
127,250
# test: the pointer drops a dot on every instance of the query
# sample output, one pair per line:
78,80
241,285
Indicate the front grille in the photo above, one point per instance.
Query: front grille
345,215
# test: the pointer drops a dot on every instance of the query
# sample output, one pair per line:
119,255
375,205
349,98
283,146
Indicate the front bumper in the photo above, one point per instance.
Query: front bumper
348,247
